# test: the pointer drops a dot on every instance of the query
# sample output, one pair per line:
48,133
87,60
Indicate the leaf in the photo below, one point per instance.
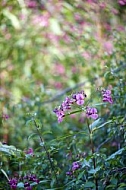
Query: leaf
95,128
47,132
5,174
86,163
95,123
14,20
11,150
55,26
94,171
115,154
32,135
89,184
20,185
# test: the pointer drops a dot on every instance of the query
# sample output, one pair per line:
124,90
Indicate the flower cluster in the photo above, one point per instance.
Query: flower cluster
13,183
91,113
26,180
30,178
77,98
106,94
75,166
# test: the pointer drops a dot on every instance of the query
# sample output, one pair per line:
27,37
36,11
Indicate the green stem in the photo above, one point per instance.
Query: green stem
47,153
93,151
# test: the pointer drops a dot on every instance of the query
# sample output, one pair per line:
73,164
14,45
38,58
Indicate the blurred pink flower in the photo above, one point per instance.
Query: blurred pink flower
102,5
108,46
31,4
86,55
122,2
41,20
58,85
5,116
59,69
29,151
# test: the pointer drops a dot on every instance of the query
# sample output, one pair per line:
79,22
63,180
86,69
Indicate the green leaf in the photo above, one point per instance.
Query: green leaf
95,128
86,163
89,184
32,135
95,123
115,154
5,174
20,185
14,20
94,171
11,150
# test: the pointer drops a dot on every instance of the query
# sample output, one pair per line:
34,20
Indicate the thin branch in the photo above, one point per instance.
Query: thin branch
57,96
47,153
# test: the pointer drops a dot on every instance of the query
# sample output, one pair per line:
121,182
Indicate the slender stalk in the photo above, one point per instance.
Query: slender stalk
47,153
93,151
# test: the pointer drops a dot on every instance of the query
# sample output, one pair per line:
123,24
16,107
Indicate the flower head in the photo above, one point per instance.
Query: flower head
91,113
79,98
13,183
106,94
29,151
75,166
122,2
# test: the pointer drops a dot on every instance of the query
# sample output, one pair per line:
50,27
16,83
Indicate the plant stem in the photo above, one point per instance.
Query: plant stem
47,153
93,151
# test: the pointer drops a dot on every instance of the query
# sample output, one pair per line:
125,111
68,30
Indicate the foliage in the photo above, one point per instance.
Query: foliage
65,58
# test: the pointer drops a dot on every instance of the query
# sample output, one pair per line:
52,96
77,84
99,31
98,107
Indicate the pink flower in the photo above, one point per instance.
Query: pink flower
108,46
106,94
79,98
122,2
29,151
91,113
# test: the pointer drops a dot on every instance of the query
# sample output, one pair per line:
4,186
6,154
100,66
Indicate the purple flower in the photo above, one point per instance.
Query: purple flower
5,116
122,2
106,94
79,97
91,113
13,183
69,173
75,166
66,104
60,114
29,151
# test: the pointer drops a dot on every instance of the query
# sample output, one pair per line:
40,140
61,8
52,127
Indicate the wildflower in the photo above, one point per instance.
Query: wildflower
27,186
5,116
75,166
79,97
29,151
69,173
59,113
122,2
107,96
91,113
13,183
33,178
